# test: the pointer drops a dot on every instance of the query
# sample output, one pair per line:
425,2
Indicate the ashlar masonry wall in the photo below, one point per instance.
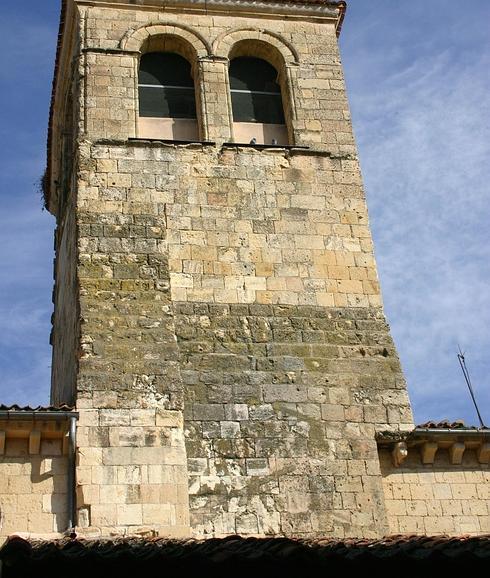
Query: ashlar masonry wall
281,401
438,498
234,360
33,488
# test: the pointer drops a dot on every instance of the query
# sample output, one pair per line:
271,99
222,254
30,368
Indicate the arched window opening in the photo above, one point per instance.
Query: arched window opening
258,113
167,100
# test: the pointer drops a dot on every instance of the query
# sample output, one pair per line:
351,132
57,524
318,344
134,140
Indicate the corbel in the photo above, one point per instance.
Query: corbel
483,453
34,442
428,452
399,453
456,452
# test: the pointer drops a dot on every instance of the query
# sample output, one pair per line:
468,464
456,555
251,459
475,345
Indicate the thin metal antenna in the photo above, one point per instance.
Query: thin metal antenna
466,374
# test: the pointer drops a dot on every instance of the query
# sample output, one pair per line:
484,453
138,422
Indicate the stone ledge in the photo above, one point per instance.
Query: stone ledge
176,144
428,440
322,9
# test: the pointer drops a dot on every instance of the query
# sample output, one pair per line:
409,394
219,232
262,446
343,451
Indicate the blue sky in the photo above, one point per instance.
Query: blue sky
419,88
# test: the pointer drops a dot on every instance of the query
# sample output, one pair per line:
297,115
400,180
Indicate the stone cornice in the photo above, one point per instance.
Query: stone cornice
324,9
427,441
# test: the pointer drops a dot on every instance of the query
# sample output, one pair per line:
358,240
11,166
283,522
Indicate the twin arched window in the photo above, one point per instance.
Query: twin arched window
255,94
258,114
167,100
166,87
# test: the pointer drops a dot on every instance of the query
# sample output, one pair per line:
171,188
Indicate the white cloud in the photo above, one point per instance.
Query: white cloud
25,304
420,92
423,135
26,238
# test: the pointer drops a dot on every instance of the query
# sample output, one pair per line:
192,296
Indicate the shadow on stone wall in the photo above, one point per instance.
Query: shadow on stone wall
33,488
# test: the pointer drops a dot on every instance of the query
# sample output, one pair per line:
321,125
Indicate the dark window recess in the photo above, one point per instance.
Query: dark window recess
255,94
166,88
167,102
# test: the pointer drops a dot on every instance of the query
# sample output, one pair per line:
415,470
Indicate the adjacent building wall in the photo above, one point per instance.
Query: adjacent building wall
439,498
33,488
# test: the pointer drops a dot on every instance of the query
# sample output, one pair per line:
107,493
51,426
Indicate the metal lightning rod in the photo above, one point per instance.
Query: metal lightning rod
466,374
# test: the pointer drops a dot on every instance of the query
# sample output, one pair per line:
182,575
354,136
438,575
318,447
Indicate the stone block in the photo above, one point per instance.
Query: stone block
159,514
142,417
332,412
88,494
113,456
257,467
129,514
421,492
103,515
442,491
25,503
247,524
114,417
40,523
208,412
230,429
434,526
284,392
464,491
167,418
401,491
112,494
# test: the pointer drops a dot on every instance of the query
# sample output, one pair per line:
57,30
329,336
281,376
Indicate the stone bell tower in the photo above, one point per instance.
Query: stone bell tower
218,321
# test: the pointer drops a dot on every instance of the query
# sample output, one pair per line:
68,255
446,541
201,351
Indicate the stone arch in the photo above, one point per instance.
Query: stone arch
261,43
276,51
182,40
170,37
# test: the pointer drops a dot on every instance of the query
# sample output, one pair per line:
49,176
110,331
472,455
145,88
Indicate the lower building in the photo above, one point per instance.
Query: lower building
222,364
435,480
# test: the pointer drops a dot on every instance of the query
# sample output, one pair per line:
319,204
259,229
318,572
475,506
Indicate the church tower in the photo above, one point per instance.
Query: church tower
218,321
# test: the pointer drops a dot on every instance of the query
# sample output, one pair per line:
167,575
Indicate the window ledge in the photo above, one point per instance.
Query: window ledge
262,146
170,141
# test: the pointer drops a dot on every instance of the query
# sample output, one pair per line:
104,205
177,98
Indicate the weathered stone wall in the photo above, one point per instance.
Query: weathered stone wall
65,337
227,291
66,119
440,498
251,226
33,488
281,407
242,226
132,465
321,378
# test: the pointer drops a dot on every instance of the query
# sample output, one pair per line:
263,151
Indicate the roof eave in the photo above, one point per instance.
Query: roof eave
33,415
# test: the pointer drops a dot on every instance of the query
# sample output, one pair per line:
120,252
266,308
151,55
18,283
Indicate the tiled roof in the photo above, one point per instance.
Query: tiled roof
458,424
432,427
38,409
238,556
333,3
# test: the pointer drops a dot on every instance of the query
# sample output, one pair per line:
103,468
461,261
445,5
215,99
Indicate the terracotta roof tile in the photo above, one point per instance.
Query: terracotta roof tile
239,556
39,408
432,427
458,424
